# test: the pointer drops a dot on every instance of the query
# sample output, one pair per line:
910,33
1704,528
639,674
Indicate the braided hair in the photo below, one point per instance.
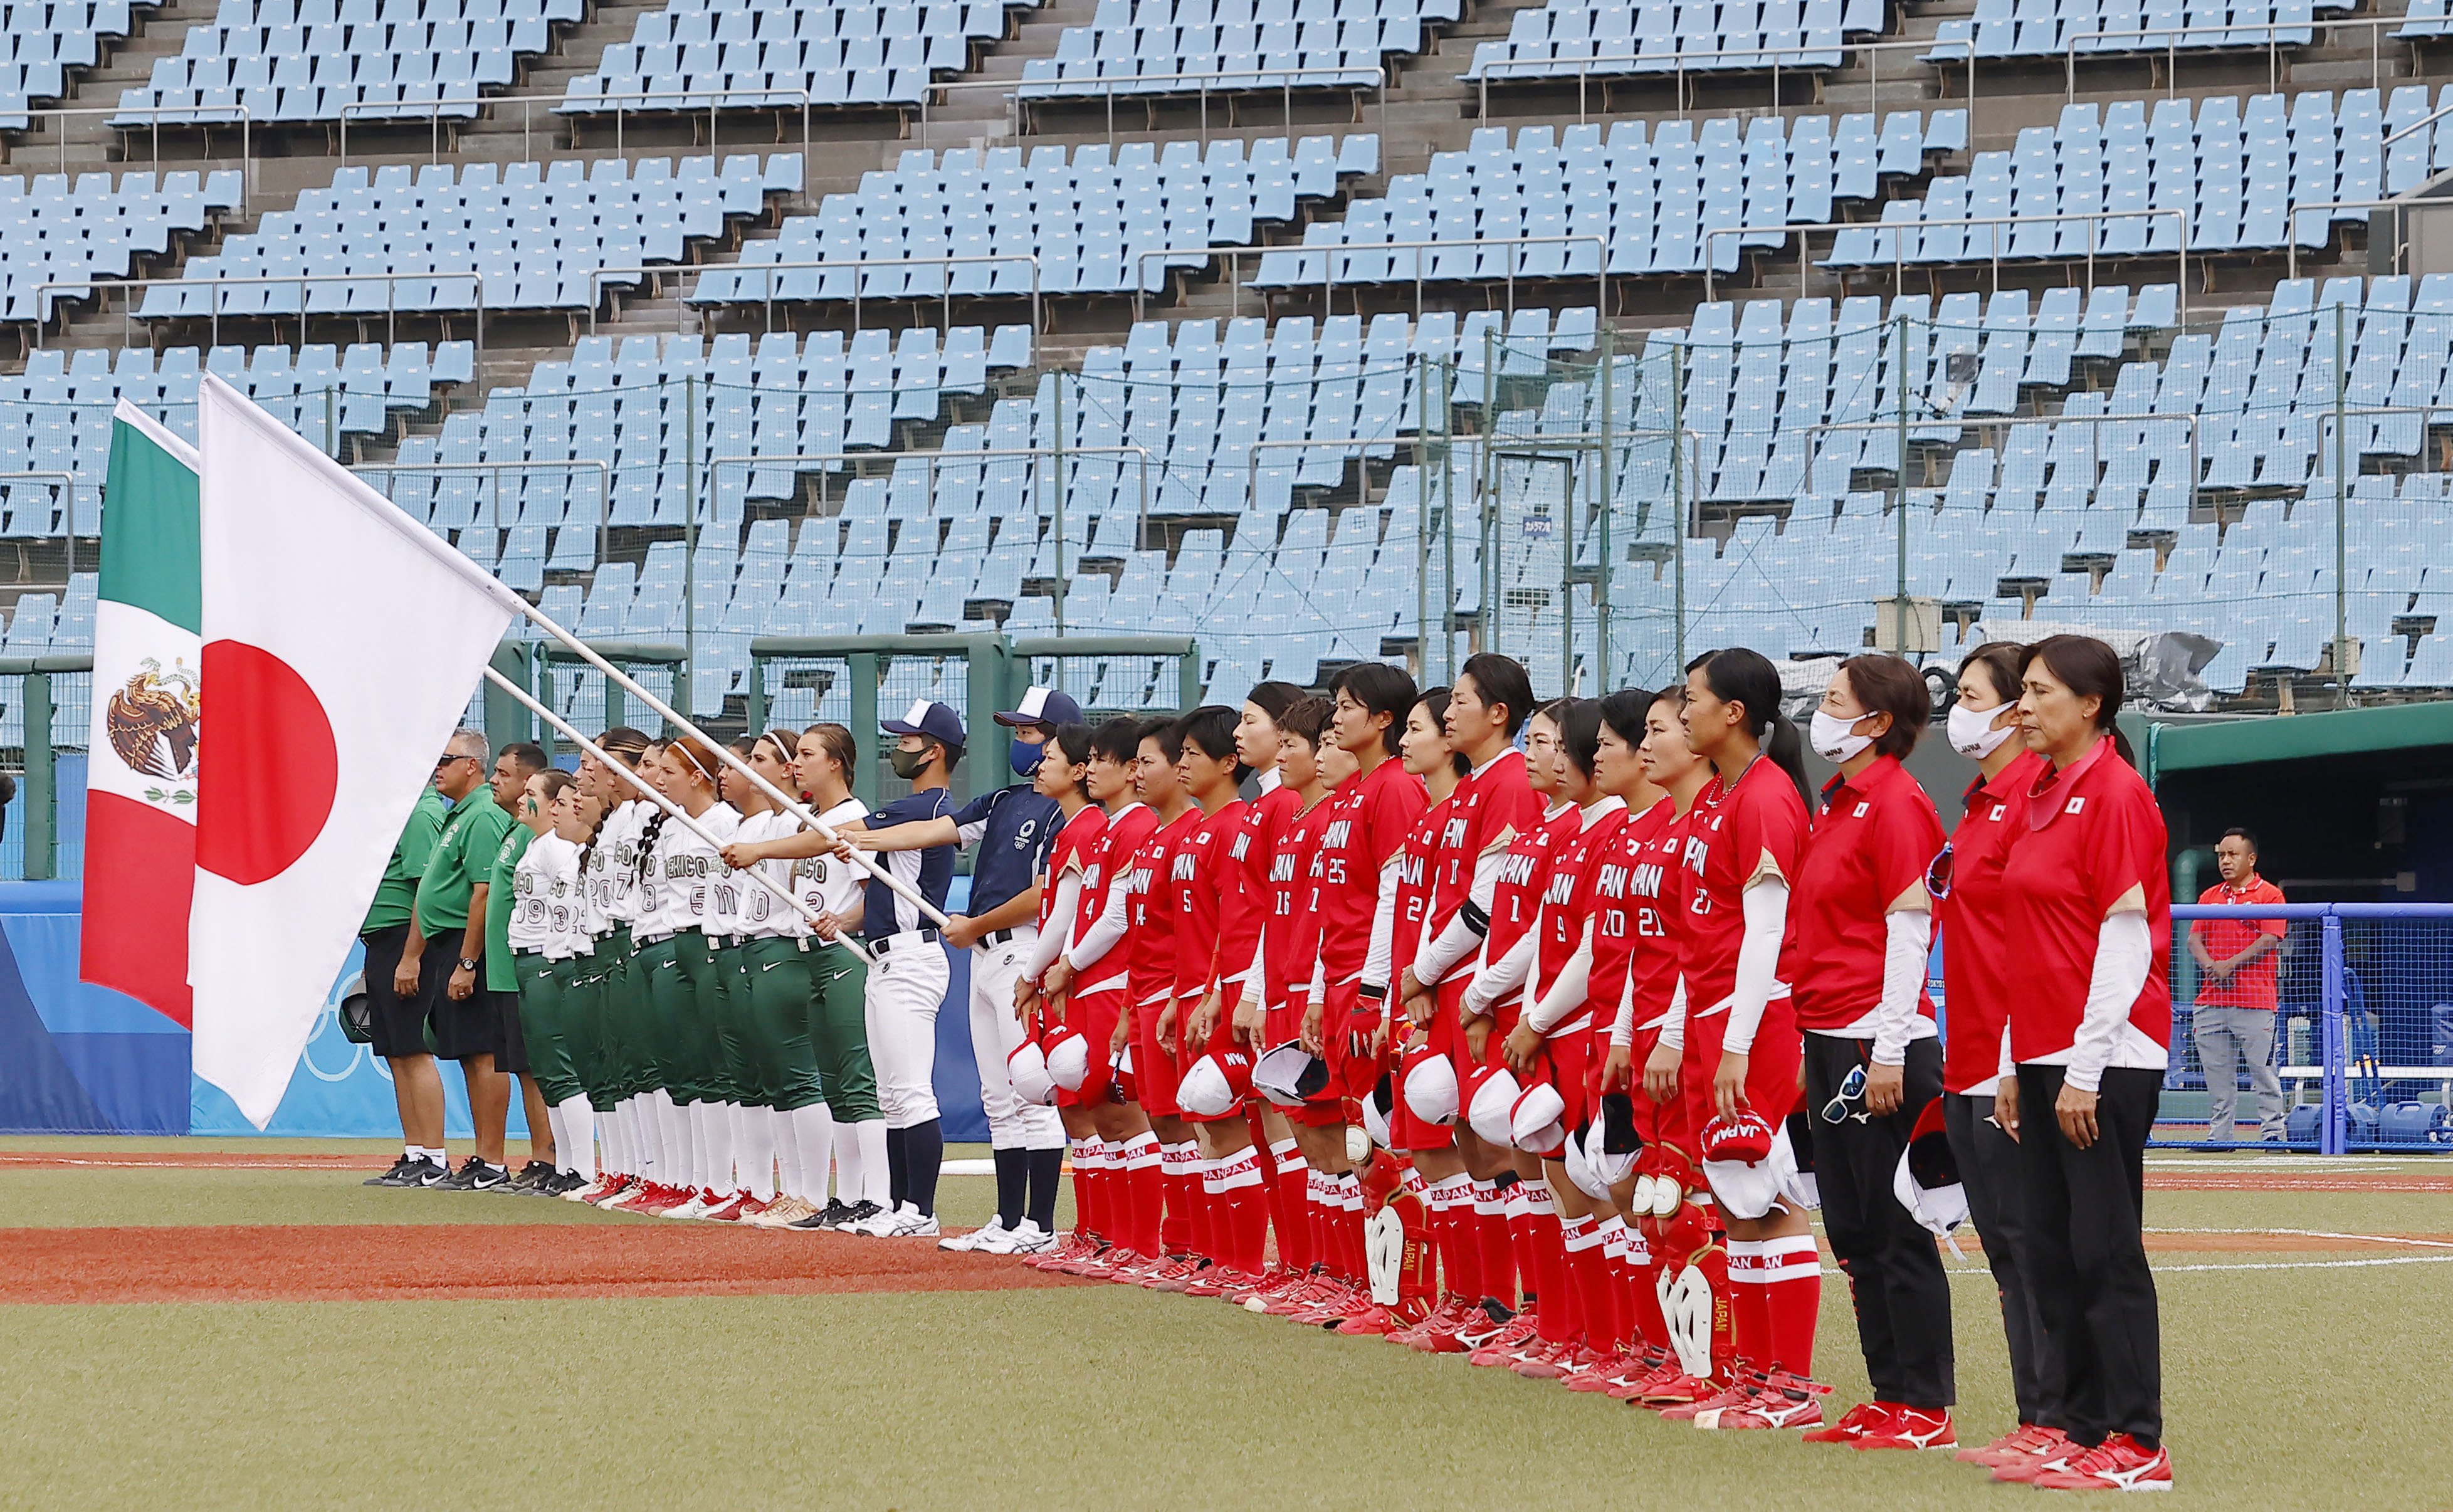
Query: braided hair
643,862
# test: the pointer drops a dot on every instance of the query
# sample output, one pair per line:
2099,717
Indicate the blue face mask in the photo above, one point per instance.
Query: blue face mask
1024,756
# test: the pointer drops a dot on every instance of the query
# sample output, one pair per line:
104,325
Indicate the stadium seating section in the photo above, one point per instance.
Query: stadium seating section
2036,411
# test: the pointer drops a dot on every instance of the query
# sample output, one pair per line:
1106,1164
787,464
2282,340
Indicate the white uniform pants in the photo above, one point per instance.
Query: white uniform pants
1013,1124
905,989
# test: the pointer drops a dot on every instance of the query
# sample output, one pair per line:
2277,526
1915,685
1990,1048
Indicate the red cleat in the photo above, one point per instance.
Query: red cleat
1543,1359
1503,1349
1176,1274
2046,1456
1913,1428
727,1210
1859,1421
1445,1314
2118,1464
1731,1395
1614,1370
1779,1400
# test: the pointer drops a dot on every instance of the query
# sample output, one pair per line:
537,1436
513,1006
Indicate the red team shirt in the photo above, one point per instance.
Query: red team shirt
1076,848
2253,986
1735,834
1488,809
1290,943
1581,896
1246,912
1209,885
1516,898
2094,833
1361,831
1126,830
1979,975
1151,931
1872,842
1640,889
1416,885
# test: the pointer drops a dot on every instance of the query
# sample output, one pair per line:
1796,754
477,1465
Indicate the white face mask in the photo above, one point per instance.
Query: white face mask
1972,733
1831,737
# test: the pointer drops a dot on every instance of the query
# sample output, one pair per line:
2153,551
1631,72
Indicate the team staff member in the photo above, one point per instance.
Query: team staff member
907,986
1012,828
466,1024
1744,845
2090,1029
1980,977
1860,931
499,976
397,1021
1091,977
2237,997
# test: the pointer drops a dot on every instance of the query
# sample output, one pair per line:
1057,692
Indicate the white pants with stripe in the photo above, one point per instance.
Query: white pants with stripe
905,989
1013,1124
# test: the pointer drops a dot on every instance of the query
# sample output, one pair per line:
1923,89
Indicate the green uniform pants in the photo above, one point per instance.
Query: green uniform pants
839,1032
583,979
662,1055
735,1067
541,1025
770,998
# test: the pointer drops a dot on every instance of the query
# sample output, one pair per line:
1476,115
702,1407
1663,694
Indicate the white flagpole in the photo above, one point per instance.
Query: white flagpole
661,802
790,804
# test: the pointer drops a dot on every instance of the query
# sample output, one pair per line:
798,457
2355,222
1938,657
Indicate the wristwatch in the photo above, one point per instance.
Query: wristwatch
468,964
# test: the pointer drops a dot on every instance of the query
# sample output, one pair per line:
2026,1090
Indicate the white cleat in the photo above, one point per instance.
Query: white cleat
1024,1239
911,1224
695,1207
983,1240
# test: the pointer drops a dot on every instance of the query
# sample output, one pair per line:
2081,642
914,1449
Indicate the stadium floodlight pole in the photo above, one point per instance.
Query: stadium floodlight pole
537,706
724,754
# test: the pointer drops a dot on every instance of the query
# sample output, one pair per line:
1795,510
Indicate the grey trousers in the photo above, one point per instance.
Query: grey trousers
2227,1036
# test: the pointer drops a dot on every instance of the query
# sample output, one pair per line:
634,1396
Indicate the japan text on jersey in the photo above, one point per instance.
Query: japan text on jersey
1517,868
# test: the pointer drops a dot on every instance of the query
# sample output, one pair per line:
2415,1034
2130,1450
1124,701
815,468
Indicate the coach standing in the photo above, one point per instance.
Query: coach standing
1013,828
398,1022
907,986
2234,1020
442,962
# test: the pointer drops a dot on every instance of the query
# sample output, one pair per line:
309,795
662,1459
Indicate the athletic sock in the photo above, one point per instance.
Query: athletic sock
1518,1199
1208,1221
1451,1197
1145,1189
813,1130
1042,1170
1493,1259
1245,1191
720,1128
1349,1226
1612,1273
1012,1179
1316,1219
1179,1165
898,1171
1549,1258
1789,1274
924,1151
756,1133
1749,1318
1643,1317
1286,1219
574,1138
851,1179
1568,1314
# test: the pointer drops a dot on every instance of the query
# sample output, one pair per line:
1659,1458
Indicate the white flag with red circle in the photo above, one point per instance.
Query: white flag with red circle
342,642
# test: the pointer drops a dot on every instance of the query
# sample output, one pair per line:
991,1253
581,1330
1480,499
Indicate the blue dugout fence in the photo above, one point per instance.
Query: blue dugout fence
2363,1033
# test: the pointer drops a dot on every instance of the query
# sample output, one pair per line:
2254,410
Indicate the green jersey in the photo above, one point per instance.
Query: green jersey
397,893
463,857
501,972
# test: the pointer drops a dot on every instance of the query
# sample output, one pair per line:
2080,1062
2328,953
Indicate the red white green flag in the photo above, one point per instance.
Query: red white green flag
140,815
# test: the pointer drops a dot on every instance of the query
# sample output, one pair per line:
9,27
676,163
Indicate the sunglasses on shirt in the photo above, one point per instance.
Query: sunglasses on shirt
1937,874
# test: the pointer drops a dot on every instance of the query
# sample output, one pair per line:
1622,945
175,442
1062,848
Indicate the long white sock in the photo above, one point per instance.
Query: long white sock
847,1167
561,1138
756,1141
788,1176
813,1130
681,1146
861,1175
574,1138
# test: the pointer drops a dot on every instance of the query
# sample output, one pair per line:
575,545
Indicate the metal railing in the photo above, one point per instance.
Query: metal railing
391,283
949,262
1547,68
68,516
1900,229
246,134
1285,82
603,485
2400,239
407,109
2172,48
1328,256
38,835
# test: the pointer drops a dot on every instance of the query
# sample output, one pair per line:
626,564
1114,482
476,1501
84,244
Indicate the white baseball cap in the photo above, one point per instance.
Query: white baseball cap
1926,1181
1377,1104
1289,1075
1428,1084
1491,1092
1068,1059
1216,1084
1028,1067
1534,1123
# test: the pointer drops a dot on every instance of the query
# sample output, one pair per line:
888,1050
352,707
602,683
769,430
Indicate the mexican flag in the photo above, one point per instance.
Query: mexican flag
140,807
342,642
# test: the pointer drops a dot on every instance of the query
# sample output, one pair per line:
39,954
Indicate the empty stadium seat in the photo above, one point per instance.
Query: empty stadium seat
1186,47
697,54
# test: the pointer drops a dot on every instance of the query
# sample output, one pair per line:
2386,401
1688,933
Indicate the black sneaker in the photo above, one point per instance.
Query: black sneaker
474,1175
425,1171
858,1213
533,1177
830,1216
395,1177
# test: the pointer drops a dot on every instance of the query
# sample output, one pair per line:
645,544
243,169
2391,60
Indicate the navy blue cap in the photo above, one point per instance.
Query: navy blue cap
928,718
1043,706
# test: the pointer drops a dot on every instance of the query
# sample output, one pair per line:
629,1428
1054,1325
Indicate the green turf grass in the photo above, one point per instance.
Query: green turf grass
2284,1389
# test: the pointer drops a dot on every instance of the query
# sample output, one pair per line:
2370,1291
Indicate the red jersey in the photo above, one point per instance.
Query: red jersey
1365,823
1110,864
2094,833
1585,892
1416,885
1151,909
1076,848
1516,893
1207,884
1489,809
1871,842
1735,834
1246,909
1638,886
1978,975
2254,984
1290,943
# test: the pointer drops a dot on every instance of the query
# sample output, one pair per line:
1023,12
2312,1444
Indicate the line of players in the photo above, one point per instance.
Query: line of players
1580,994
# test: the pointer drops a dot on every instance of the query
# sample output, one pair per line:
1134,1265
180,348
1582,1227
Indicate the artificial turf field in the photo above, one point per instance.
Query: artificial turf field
2307,1306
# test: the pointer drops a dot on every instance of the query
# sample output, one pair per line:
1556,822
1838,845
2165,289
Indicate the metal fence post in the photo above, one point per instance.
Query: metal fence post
2335,1118
506,720
42,832
754,695
862,668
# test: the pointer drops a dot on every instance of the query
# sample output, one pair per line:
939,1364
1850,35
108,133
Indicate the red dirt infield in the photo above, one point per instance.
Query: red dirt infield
525,1261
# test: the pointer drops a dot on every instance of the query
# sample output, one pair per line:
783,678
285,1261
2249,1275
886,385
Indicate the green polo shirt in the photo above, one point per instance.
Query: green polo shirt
464,853
501,972
397,893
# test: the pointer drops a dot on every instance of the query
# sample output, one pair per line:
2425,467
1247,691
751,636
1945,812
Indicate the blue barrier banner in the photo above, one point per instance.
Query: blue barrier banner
76,1059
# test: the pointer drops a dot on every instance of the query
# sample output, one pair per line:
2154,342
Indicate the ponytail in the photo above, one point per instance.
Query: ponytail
1739,675
1787,751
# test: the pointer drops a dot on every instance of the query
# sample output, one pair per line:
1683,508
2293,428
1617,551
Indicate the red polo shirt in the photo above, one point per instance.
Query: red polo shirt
1872,842
2252,985
1979,973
